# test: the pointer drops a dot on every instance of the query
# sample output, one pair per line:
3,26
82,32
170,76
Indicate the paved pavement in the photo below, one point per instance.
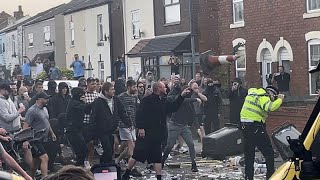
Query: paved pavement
180,167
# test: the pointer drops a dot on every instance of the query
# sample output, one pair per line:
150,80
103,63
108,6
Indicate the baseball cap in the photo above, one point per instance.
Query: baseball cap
5,86
42,95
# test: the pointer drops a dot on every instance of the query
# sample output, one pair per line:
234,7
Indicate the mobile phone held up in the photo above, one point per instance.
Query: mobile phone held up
106,172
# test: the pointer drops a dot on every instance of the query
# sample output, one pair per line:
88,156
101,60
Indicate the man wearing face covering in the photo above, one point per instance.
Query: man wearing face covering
9,115
258,103
76,110
212,107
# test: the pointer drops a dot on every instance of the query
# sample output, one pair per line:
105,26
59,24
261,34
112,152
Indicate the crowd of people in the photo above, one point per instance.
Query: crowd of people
132,121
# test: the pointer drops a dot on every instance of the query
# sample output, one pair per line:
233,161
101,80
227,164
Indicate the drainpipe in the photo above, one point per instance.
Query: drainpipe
192,41
125,34
111,40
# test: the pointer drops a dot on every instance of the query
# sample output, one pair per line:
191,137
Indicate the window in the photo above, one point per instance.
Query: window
241,64
72,33
100,28
13,45
46,31
30,38
135,24
314,56
151,64
172,11
101,70
237,11
1,50
313,5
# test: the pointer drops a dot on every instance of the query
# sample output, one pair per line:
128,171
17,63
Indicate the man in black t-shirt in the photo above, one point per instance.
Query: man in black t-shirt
283,81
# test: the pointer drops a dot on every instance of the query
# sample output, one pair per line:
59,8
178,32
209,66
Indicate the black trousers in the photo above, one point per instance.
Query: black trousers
211,119
255,135
79,146
107,142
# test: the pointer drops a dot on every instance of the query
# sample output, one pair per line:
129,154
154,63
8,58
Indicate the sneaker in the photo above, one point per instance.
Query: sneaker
194,168
87,165
183,150
135,173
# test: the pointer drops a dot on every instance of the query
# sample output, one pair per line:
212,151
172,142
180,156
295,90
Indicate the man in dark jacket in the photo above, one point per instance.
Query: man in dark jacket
212,107
75,114
107,111
237,96
151,122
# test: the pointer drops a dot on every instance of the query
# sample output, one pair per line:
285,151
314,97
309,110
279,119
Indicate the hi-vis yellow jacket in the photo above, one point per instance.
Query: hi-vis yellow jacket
257,105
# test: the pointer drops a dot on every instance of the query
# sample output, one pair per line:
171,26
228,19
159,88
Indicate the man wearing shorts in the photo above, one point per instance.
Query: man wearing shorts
130,101
37,118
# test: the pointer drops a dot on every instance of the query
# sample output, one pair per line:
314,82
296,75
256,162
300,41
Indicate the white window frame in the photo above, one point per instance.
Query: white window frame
71,24
135,22
311,10
1,48
100,28
13,44
101,69
234,13
30,38
310,43
168,4
245,62
47,34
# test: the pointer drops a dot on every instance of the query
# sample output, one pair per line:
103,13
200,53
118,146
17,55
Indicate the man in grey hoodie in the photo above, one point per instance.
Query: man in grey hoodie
9,115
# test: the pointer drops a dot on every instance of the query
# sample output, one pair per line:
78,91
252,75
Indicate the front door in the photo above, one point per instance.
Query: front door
266,68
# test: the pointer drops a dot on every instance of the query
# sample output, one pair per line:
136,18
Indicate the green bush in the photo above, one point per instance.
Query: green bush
64,71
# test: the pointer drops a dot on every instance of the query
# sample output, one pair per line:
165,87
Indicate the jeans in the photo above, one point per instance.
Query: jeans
255,135
174,130
107,141
78,145
210,119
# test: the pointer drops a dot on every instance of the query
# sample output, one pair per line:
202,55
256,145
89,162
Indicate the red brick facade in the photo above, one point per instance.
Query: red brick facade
268,20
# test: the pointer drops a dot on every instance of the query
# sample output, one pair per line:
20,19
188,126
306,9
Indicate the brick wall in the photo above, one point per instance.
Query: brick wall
263,19
159,19
293,112
297,115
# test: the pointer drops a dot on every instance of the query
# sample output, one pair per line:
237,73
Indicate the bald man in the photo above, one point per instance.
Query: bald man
23,99
151,122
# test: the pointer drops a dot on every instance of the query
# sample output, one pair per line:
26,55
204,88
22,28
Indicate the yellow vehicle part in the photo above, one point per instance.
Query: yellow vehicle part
287,170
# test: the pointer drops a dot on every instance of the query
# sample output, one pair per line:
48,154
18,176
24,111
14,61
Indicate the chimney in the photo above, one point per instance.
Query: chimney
18,14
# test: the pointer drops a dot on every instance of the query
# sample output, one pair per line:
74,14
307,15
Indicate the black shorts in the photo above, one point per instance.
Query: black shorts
146,150
37,149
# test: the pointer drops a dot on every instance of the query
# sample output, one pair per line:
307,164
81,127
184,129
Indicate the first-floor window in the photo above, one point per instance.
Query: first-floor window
238,11
241,64
30,37
314,57
101,70
1,48
313,5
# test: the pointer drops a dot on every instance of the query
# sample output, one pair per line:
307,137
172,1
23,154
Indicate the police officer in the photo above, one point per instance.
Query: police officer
258,103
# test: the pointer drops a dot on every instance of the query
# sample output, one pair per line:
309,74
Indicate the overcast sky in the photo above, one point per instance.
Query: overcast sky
31,7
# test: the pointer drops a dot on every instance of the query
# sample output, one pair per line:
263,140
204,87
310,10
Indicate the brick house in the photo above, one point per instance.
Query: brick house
275,33
273,36
172,31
